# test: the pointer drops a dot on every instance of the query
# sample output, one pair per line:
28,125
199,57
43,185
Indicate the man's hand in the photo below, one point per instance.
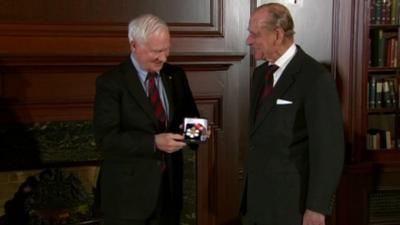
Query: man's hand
313,218
169,142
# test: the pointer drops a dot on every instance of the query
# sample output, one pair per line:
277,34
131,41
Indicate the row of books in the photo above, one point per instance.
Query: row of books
380,139
384,12
384,51
382,93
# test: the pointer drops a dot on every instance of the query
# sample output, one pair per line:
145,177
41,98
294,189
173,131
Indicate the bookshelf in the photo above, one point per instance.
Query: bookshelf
383,83
366,62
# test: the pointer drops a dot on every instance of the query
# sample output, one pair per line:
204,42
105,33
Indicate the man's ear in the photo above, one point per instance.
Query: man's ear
133,46
280,35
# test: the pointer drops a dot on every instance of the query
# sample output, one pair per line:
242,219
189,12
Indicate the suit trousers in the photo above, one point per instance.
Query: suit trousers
163,214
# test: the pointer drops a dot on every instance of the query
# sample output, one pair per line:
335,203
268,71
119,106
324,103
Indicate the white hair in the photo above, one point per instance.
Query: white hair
141,27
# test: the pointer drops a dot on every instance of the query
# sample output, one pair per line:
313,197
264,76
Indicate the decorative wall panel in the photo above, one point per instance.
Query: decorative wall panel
52,51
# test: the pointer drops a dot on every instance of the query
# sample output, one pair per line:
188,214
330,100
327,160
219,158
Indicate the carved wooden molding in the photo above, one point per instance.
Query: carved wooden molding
79,107
214,112
110,60
213,28
188,61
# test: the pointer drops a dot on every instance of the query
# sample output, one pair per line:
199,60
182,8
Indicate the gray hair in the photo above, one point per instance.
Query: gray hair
278,17
141,27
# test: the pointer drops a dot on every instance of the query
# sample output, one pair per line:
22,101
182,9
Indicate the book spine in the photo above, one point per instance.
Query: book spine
392,93
386,95
372,91
378,99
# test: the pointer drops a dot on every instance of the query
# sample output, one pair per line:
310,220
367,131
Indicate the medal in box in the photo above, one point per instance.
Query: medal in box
195,130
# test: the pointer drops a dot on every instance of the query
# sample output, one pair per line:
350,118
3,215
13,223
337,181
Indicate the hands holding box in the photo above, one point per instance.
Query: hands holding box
195,130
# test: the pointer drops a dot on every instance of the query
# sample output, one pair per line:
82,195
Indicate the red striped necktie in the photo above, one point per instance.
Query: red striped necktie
159,112
155,99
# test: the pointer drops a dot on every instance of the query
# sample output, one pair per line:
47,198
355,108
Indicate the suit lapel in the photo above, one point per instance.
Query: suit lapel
284,83
136,90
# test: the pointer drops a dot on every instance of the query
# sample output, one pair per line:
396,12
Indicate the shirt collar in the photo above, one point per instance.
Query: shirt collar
283,61
286,57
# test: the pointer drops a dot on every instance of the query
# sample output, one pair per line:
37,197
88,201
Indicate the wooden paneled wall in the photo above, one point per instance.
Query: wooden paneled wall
52,51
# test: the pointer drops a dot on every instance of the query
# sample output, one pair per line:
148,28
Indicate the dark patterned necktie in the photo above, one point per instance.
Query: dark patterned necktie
159,112
268,83
155,99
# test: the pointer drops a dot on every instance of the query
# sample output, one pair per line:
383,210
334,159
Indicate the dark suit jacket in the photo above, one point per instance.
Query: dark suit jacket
124,127
296,150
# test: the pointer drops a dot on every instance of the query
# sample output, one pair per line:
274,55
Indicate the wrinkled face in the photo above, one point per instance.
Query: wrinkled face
261,40
152,54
